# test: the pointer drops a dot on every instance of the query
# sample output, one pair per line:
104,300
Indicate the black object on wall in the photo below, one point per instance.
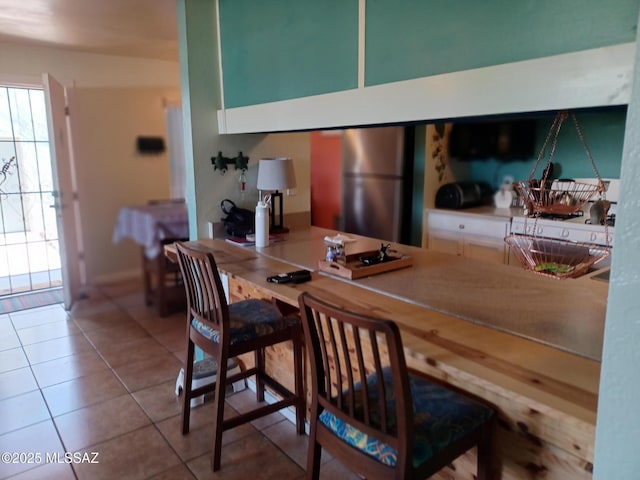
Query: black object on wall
503,140
150,145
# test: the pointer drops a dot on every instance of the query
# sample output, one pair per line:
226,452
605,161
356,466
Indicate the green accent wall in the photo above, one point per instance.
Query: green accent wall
283,49
416,38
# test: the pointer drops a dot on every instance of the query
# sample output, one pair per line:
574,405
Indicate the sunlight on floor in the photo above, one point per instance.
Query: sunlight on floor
29,263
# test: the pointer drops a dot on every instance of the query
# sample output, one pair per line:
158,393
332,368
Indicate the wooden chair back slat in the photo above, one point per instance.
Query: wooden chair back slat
382,403
346,384
362,372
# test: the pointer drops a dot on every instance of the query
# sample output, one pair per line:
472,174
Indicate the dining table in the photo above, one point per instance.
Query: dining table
152,226
148,225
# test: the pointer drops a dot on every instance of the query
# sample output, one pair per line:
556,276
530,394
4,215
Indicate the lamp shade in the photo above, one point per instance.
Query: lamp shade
276,174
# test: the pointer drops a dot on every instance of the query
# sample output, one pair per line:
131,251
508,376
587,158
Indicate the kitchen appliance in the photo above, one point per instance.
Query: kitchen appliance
459,195
376,182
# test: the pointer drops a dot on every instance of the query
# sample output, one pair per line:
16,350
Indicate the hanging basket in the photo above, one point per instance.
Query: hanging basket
547,196
558,197
547,256
556,258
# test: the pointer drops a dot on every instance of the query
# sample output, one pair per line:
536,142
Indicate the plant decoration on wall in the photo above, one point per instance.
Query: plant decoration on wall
4,170
439,153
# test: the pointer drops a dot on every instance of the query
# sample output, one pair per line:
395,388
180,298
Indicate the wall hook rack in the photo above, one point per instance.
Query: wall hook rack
221,162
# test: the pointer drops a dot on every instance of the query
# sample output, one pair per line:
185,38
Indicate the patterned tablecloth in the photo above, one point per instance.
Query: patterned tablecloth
149,224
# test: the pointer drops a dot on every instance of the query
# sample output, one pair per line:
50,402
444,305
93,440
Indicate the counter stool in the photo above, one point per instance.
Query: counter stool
389,423
225,331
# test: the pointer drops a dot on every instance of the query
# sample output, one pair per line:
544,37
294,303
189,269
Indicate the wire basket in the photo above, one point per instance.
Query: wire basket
555,258
558,198
544,195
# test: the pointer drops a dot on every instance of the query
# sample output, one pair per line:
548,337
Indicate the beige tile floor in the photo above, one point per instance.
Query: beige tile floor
101,379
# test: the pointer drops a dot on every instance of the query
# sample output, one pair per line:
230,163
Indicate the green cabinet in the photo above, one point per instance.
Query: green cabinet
283,49
416,38
307,64
286,49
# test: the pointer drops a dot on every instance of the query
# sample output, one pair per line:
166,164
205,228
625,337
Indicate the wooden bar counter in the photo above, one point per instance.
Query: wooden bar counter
526,343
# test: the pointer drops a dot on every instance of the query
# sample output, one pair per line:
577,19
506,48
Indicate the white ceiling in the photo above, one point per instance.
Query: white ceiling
137,28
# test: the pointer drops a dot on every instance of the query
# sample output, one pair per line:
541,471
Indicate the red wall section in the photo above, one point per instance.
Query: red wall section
326,178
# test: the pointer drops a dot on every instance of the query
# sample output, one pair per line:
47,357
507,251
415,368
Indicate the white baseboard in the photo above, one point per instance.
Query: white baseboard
116,277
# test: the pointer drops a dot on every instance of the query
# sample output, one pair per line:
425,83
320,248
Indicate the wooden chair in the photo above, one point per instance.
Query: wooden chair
162,280
225,331
374,415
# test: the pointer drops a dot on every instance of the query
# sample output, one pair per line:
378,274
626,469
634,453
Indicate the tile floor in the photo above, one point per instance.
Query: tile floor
102,379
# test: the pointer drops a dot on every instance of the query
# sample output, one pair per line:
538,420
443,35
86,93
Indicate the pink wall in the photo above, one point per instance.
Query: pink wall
326,179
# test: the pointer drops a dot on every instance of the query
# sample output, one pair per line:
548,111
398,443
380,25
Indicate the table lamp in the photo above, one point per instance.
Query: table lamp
275,175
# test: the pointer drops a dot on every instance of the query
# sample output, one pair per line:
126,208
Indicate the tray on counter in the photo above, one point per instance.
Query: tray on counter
354,268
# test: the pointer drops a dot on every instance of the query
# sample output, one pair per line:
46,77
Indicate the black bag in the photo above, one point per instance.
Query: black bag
239,222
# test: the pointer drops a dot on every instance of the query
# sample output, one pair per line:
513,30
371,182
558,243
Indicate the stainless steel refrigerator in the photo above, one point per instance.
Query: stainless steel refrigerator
376,182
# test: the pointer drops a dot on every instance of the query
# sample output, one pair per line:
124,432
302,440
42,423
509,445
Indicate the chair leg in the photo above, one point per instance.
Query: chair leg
299,386
314,453
161,287
218,406
259,354
146,280
186,390
163,302
485,453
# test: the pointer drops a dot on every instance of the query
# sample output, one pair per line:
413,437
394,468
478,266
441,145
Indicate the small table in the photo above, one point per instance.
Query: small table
147,225
152,226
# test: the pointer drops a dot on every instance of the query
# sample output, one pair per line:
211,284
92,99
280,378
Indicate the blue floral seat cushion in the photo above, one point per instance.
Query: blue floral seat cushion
441,417
248,319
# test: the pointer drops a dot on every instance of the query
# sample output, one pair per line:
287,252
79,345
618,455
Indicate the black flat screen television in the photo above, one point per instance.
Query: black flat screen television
503,140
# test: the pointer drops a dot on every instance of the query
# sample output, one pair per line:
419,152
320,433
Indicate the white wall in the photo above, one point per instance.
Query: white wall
111,173
25,64
294,145
117,99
